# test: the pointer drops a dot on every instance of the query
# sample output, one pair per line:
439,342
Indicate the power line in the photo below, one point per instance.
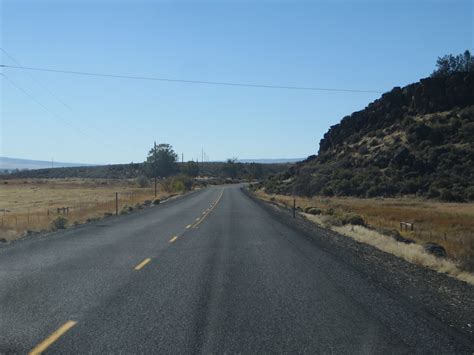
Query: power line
43,106
185,81
36,80
43,86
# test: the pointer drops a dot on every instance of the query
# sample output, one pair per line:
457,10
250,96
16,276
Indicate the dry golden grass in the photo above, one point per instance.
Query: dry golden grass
413,253
448,224
31,204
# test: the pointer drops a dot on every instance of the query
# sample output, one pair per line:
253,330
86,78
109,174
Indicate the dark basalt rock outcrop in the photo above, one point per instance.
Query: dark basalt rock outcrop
427,96
415,140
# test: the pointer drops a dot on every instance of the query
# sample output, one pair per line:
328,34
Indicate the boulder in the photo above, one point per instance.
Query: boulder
435,249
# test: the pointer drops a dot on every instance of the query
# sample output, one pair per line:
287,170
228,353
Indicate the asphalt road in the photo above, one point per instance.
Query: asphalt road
210,272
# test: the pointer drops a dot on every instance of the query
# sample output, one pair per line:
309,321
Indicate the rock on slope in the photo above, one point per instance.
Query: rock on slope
413,140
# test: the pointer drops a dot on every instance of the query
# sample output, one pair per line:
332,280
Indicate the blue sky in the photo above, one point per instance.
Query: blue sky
372,45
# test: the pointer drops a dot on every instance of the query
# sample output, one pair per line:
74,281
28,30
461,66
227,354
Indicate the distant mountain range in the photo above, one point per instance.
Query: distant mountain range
22,164
29,164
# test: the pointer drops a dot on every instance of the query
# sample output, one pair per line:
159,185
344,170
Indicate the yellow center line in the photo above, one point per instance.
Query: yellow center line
38,349
214,204
142,264
188,226
172,240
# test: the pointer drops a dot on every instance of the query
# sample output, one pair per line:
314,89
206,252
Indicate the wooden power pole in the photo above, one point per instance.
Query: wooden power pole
155,168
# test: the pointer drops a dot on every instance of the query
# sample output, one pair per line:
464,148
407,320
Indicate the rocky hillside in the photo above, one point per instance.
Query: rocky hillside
413,140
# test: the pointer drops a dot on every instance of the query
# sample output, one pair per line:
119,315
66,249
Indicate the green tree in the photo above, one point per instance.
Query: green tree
450,64
255,170
231,168
191,169
161,161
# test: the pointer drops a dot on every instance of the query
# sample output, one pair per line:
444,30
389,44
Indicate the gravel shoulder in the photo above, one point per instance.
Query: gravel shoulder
438,297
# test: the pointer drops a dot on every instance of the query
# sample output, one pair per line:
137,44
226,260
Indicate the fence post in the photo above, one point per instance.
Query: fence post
116,203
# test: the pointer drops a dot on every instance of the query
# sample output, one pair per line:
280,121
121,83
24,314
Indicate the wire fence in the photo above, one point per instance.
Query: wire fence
41,219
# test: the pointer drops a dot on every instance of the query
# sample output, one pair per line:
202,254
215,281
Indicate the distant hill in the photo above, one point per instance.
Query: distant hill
271,161
22,164
135,170
416,140
12,164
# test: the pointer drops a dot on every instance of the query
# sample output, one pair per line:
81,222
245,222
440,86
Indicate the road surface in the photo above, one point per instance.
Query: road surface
209,272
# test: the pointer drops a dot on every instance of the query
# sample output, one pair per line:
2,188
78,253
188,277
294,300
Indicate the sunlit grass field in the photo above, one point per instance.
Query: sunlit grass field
31,204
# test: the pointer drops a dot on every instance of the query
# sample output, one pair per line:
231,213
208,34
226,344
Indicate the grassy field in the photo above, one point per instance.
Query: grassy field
448,224
31,204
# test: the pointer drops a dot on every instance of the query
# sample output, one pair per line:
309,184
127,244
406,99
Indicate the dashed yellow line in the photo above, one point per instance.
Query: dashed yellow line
142,264
38,349
189,226
213,205
172,240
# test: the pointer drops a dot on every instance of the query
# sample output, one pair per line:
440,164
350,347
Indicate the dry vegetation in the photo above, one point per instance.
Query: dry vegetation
450,225
32,204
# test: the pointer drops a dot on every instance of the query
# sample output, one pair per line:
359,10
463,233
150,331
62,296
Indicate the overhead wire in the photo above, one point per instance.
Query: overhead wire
38,82
44,87
52,113
187,81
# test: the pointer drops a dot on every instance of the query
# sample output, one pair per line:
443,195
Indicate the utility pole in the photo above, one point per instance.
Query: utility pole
294,207
155,167
182,158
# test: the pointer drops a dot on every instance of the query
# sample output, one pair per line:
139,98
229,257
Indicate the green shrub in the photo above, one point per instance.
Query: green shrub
313,210
450,195
331,221
433,192
469,192
363,150
374,142
329,212
126,209
142,181
177,184
352,218
59,222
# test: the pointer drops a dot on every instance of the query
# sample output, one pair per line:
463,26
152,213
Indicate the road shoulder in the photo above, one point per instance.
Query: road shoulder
429,293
